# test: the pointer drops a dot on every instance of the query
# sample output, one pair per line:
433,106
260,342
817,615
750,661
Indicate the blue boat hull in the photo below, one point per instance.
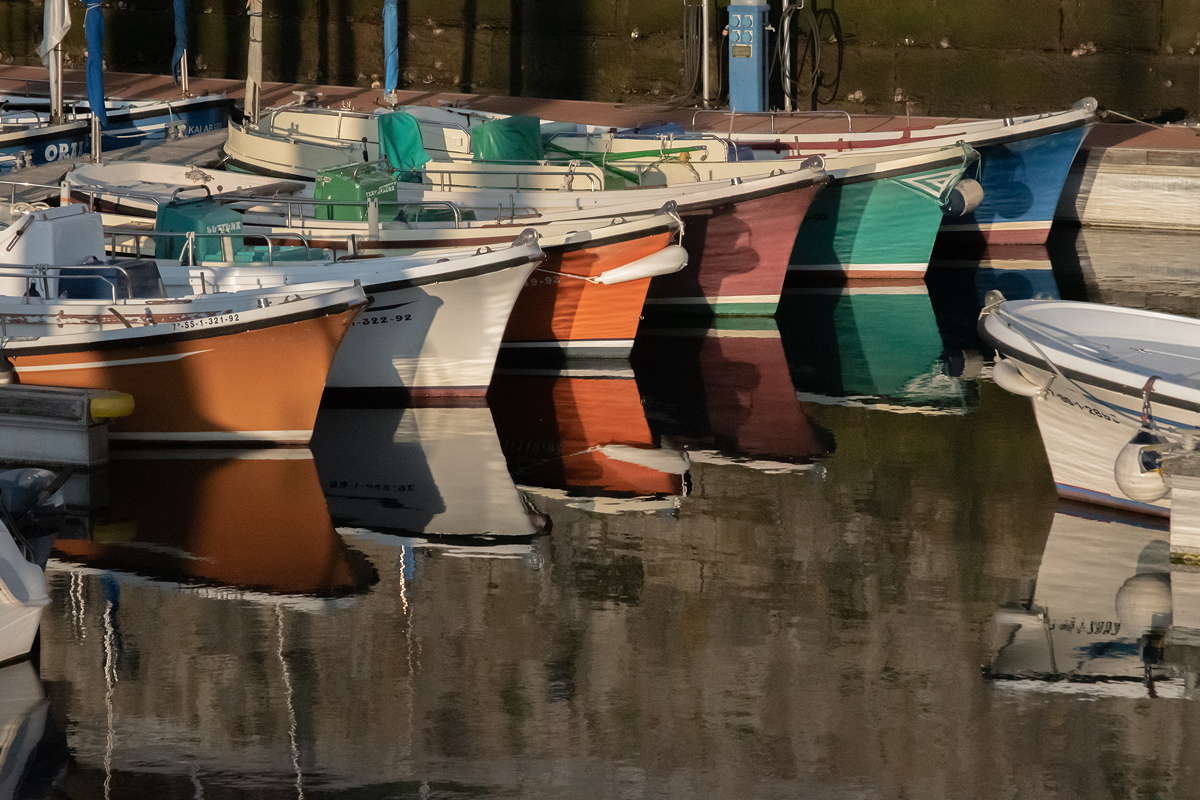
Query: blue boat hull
1022,181
71,140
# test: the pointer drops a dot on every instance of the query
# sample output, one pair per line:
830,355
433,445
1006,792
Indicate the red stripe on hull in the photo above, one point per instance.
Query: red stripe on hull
1037,234
739,250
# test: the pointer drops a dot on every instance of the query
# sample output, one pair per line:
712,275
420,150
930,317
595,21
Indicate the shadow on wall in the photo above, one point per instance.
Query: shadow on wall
548,53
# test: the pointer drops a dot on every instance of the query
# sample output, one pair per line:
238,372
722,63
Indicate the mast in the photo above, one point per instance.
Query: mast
254,8
56,21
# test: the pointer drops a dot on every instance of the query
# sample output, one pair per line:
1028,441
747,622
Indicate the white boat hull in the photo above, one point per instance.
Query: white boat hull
436,339
23,597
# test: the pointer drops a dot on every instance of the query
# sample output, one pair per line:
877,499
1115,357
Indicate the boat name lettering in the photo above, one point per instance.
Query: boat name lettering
205,322
1095,412
225,227
383,319
61,150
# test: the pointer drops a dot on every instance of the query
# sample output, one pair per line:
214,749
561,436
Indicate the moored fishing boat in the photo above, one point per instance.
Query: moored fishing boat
249,366
23,595
435,324
1113,390
1025,160
877,218
32,139
741,229
738,249
586,298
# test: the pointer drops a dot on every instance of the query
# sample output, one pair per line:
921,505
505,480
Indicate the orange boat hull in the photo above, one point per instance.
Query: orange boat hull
262,384
560,313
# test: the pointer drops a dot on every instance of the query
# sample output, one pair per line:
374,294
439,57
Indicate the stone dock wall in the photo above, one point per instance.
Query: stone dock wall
921,56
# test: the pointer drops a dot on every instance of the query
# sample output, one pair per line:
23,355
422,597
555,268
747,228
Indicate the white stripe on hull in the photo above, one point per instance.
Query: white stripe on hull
119,362
1030,225
587,344
301,437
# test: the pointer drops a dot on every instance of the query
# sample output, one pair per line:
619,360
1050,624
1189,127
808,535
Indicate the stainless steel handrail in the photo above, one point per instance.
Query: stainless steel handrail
42,273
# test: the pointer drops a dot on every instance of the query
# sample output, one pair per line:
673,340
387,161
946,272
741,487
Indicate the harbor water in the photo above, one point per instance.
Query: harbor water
813,556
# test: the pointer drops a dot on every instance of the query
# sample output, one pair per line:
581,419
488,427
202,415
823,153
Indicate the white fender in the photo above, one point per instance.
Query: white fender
670,259
1010,379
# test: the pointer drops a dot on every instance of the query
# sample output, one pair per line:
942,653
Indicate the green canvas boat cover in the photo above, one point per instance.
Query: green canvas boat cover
508,139
400,141
202,216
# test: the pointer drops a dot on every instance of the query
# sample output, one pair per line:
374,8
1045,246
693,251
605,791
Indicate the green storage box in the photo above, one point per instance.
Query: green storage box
355,185
197,216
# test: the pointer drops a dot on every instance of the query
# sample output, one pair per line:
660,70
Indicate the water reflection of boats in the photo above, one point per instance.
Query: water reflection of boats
876,346
585,436
959,280
249,524
29,761
431,471
1104,265
723,392
1098,613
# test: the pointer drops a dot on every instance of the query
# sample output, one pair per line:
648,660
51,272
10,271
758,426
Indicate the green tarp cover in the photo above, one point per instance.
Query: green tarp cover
508,139
400,141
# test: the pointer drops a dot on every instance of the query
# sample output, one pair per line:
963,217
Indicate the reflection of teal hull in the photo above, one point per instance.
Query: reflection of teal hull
868,345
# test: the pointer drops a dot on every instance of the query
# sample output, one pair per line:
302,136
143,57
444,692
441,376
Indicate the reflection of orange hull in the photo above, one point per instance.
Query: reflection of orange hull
259,384
257,521
575,315
549,427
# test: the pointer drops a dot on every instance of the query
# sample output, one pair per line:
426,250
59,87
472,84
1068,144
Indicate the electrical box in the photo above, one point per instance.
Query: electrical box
748,51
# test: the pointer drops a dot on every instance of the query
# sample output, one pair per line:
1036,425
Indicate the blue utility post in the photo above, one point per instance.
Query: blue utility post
747,32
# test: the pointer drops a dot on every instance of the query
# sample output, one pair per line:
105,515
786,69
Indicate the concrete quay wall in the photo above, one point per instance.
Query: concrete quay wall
1141,57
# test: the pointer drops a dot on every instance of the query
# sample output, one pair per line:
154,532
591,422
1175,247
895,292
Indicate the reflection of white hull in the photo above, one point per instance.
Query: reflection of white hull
23,709
437,471
1102,585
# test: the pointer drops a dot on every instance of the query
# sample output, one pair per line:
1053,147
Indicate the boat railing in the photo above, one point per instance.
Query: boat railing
13,186
44,273
773,115
123,239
